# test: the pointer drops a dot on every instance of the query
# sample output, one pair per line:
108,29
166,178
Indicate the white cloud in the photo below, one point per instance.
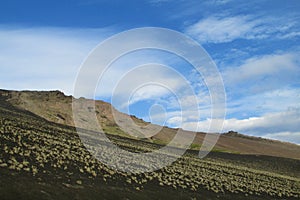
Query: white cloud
175,121
121,79
158,1
288,120
127,85
276,66
271,125
49,58
220,29
258,104
217,2
44,58
293,137
216,29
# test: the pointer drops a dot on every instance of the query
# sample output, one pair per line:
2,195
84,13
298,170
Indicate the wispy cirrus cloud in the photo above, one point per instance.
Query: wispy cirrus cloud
258,104
224,28
263,98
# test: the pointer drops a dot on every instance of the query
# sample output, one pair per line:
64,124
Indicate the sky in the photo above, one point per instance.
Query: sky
254,44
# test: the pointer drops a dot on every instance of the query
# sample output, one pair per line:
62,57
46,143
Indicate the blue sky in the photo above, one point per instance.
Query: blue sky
255,45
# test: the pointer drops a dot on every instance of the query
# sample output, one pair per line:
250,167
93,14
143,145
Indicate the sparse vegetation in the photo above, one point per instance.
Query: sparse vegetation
56,107
49,159
53,152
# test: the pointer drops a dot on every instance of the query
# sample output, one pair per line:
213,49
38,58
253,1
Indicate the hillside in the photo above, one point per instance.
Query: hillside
41,159
57,107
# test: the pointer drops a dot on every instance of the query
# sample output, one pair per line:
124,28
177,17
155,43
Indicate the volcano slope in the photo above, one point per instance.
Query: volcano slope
41,159
57,107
